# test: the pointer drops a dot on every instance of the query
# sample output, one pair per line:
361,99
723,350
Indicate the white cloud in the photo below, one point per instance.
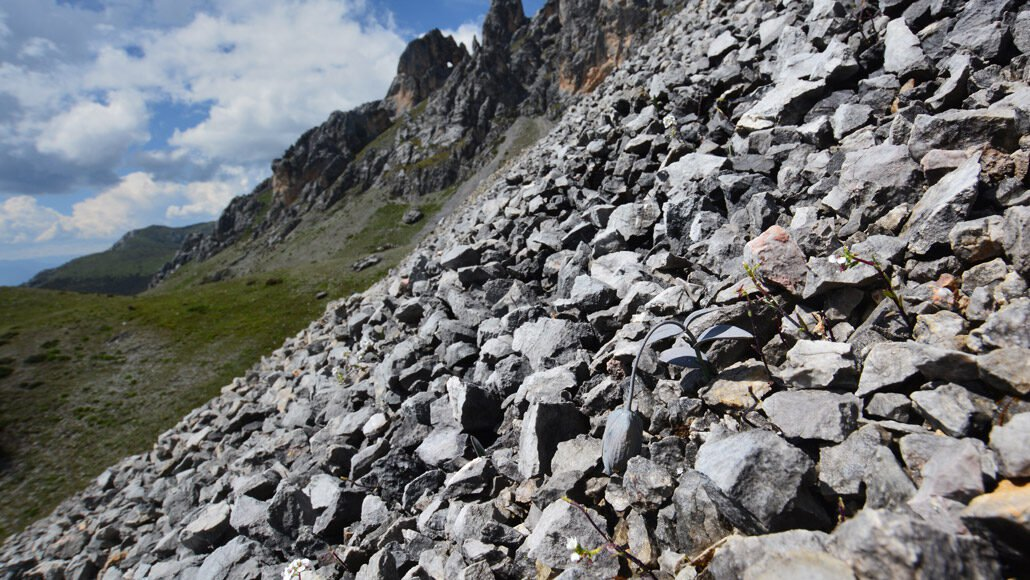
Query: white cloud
37,47
466,32
120,208
23,220
268,73
206,199
91,133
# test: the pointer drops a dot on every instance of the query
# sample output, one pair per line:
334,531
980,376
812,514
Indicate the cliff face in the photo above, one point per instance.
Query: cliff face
867,162
442,115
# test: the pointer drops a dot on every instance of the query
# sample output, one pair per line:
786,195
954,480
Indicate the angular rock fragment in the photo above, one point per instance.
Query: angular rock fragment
959,128
902,53
778,258
1010,442
1006,369
884,544
701,514
953,409
544,426
820,364
559,522
473,407
813,414
943,206
765,474
893,364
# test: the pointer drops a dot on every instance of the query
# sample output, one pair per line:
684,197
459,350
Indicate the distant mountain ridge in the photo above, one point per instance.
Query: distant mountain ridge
442,120
126,268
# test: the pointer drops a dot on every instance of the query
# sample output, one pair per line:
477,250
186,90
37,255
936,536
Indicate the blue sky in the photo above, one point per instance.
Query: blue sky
117,114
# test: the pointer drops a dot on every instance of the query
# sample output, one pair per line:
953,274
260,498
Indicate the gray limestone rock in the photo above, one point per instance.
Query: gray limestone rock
544,426
233,560
953,472
891,365
764,473
590,295
954,410
551,386
702,514
882,544
849,117
892,406
582,455
943,329
1008,326
735,558
646,483
442,445
473,407
959,128
634,220
820,364
460,257
1006,369
558,522
549,340
1010,442
208,529
809,564
692,167
785,103
871,179
978,240
865,460
902,53
1016,240
944,205
813,414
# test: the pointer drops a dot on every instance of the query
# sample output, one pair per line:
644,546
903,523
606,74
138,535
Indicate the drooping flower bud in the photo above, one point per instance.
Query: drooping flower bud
623,435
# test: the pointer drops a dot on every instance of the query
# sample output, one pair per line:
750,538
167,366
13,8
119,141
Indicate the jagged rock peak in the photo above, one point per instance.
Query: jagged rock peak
504,18
423,67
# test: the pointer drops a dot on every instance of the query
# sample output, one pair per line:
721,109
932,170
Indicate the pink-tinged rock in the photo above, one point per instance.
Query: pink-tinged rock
779,257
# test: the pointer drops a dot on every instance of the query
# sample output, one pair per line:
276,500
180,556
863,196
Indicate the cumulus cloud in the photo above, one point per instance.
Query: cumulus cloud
23,220
466,32
91,132
37,47
117,209
268,73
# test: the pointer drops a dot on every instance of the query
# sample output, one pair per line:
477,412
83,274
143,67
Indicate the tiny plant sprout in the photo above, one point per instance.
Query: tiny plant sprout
623,433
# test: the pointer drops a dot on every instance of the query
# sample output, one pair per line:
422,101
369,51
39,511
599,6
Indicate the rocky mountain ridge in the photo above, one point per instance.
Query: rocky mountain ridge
442,117
867,162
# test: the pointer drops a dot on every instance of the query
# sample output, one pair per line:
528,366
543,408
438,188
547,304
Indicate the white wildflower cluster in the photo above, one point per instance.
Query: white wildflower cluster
573,545
669,121
295,568
837,260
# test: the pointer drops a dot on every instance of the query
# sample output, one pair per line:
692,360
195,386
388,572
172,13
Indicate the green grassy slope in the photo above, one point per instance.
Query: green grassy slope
86,379
125,269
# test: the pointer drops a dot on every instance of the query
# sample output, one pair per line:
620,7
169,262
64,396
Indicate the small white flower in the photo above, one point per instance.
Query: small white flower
838,260
572,543
669,121
295,568
575,557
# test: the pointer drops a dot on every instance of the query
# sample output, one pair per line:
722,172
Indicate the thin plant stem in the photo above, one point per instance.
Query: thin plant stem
891,293
754,331
623,551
